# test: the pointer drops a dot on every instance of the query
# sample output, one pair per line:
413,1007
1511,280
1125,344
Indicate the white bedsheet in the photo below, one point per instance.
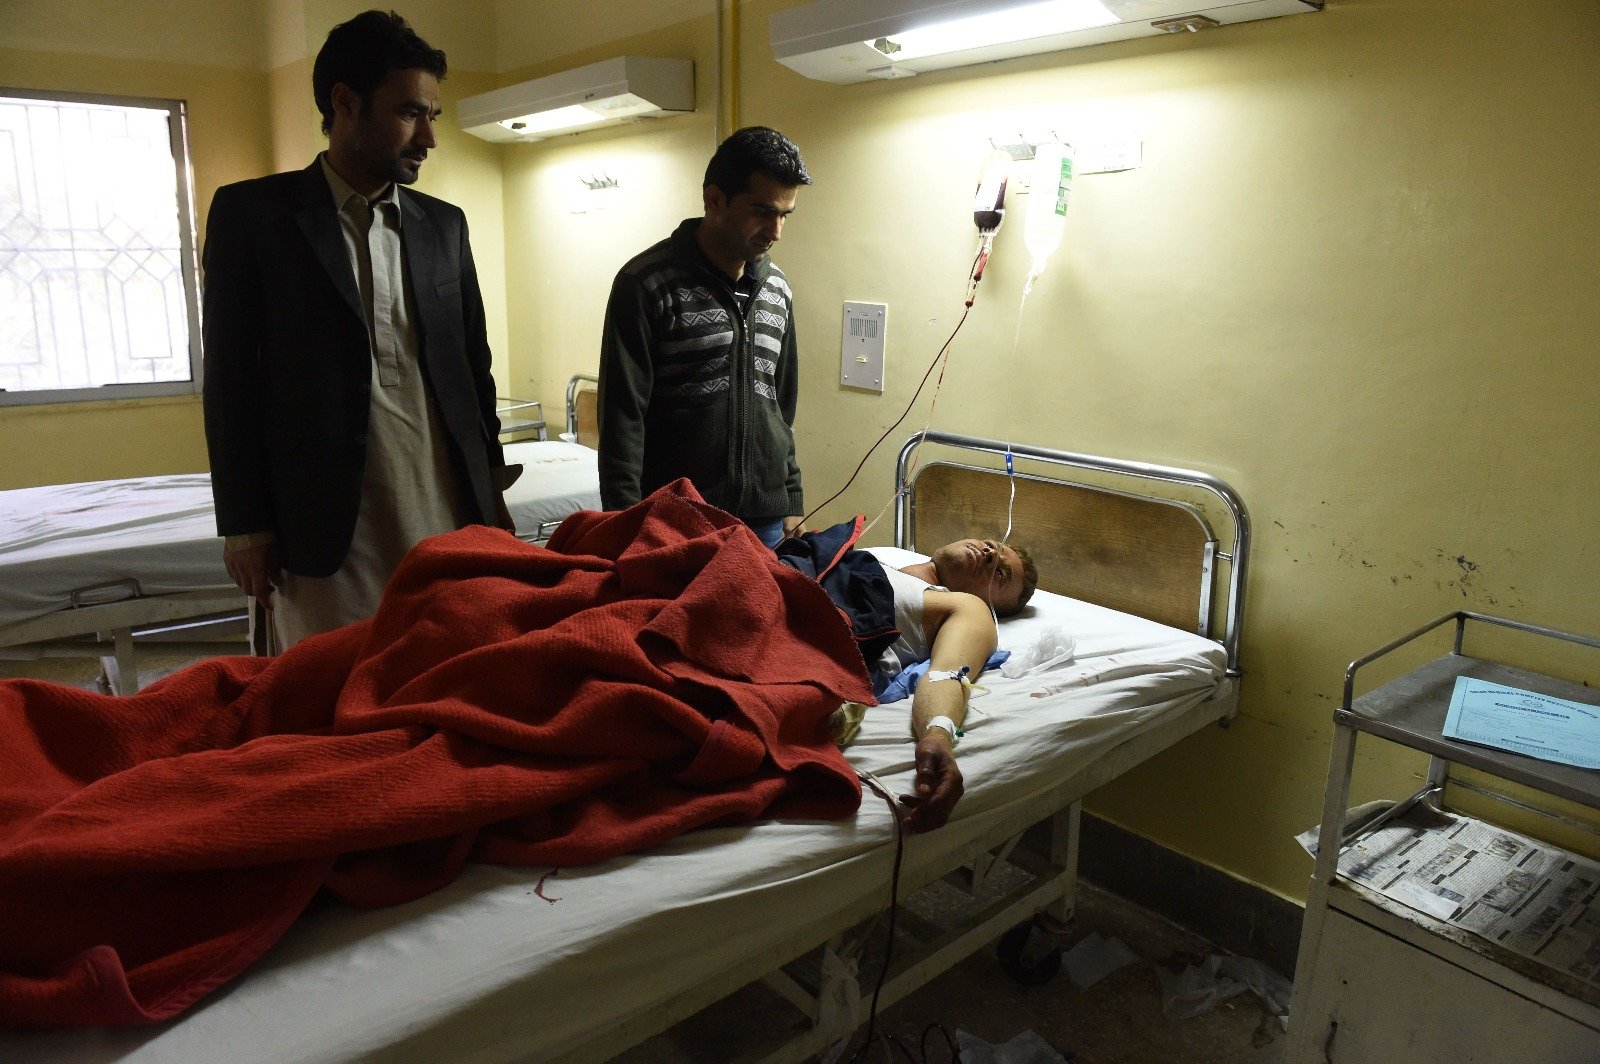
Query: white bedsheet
57,539
488,970
557,479
160,531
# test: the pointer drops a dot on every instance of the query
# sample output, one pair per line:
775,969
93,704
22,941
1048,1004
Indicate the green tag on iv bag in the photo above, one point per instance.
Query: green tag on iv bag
1064,186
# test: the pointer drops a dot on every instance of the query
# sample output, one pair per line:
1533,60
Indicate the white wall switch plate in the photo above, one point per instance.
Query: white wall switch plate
861,347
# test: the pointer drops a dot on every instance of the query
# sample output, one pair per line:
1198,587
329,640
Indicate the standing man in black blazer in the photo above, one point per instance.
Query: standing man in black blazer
349,406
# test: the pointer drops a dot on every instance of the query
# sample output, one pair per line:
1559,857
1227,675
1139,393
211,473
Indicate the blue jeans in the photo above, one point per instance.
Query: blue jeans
768,532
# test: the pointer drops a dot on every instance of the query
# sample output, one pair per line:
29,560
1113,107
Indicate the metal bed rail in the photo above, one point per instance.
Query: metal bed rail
1439,774
572,399
1460,617
520,415
180,623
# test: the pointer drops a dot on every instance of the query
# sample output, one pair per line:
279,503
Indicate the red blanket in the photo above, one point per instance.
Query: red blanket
653,671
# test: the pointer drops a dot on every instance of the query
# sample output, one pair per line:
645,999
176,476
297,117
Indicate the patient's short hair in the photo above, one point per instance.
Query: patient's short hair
363,52
1030,581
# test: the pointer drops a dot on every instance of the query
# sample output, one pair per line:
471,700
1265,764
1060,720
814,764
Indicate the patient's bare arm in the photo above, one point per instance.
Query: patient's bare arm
962,634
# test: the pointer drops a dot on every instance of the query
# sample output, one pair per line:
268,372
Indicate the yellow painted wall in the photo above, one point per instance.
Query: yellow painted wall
1354,277
231,34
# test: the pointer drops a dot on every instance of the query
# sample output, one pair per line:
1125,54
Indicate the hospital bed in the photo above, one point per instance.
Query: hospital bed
96,569
580,964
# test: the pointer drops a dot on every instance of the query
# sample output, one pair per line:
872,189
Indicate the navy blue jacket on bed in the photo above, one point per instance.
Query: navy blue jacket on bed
853,579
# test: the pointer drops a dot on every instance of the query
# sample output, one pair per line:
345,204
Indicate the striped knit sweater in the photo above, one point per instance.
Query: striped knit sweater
693,386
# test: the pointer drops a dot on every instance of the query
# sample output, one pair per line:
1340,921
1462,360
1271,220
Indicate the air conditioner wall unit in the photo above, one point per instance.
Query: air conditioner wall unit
587,97
845,41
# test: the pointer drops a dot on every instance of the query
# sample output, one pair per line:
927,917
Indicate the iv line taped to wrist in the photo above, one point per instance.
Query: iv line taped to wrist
960,675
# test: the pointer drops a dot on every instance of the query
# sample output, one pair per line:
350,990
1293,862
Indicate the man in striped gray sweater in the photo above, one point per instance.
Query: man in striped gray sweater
698,365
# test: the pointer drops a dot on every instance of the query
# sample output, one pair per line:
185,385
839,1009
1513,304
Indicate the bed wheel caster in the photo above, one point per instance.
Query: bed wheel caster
1030,954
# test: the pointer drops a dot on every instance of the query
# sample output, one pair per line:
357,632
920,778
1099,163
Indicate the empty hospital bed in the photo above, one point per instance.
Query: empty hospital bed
89,570
530,964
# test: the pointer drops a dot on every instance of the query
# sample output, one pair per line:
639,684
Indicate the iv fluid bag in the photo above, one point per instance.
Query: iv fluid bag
1047,212
989,203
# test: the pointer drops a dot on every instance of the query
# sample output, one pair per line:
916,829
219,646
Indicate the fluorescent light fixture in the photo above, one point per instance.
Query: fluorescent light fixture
998,27
846,41
600,94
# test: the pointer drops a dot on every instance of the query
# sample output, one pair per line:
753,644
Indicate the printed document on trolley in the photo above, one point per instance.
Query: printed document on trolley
1523,722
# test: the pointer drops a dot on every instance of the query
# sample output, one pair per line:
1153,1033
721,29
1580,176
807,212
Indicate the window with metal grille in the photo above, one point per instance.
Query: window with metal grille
99,297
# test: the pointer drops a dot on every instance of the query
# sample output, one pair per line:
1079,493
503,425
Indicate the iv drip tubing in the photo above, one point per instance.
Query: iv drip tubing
1011,506
1016,338
975,274
986,234
903,414
877,787
938,386
979,262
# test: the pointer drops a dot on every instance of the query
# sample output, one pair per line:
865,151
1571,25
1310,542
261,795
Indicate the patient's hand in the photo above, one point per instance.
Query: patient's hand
939,785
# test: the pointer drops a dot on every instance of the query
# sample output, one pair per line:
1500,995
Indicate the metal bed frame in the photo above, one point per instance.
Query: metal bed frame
545,529
1048,896
979,852
1238,555
192,623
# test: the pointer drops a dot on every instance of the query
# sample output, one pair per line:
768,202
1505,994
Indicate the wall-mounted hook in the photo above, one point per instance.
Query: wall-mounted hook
1020,149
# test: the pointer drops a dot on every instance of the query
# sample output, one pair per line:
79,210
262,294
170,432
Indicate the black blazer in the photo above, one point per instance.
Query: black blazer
288,369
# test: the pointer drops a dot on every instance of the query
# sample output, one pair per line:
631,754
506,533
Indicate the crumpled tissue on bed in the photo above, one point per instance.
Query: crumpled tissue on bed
1054,647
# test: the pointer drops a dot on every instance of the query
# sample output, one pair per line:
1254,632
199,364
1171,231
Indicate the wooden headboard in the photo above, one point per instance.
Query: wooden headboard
583,416
1129,547
1140,556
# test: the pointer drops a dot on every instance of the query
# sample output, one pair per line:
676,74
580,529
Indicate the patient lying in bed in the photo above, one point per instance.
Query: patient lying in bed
941,611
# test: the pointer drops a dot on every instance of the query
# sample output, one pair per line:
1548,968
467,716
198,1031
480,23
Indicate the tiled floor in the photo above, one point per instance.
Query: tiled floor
1118,1020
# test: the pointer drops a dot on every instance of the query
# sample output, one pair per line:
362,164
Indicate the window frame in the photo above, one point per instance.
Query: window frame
189,259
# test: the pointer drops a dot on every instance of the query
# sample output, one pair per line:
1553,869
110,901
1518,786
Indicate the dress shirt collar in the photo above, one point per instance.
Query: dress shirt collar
341,190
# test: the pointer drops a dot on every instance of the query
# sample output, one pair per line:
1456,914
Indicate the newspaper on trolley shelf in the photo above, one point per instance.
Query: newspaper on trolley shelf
1529,897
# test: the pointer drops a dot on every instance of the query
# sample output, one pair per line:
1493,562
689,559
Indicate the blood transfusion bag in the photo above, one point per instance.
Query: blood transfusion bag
988,211
989,202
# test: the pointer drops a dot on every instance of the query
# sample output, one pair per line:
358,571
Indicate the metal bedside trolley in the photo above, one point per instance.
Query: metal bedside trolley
1377,980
